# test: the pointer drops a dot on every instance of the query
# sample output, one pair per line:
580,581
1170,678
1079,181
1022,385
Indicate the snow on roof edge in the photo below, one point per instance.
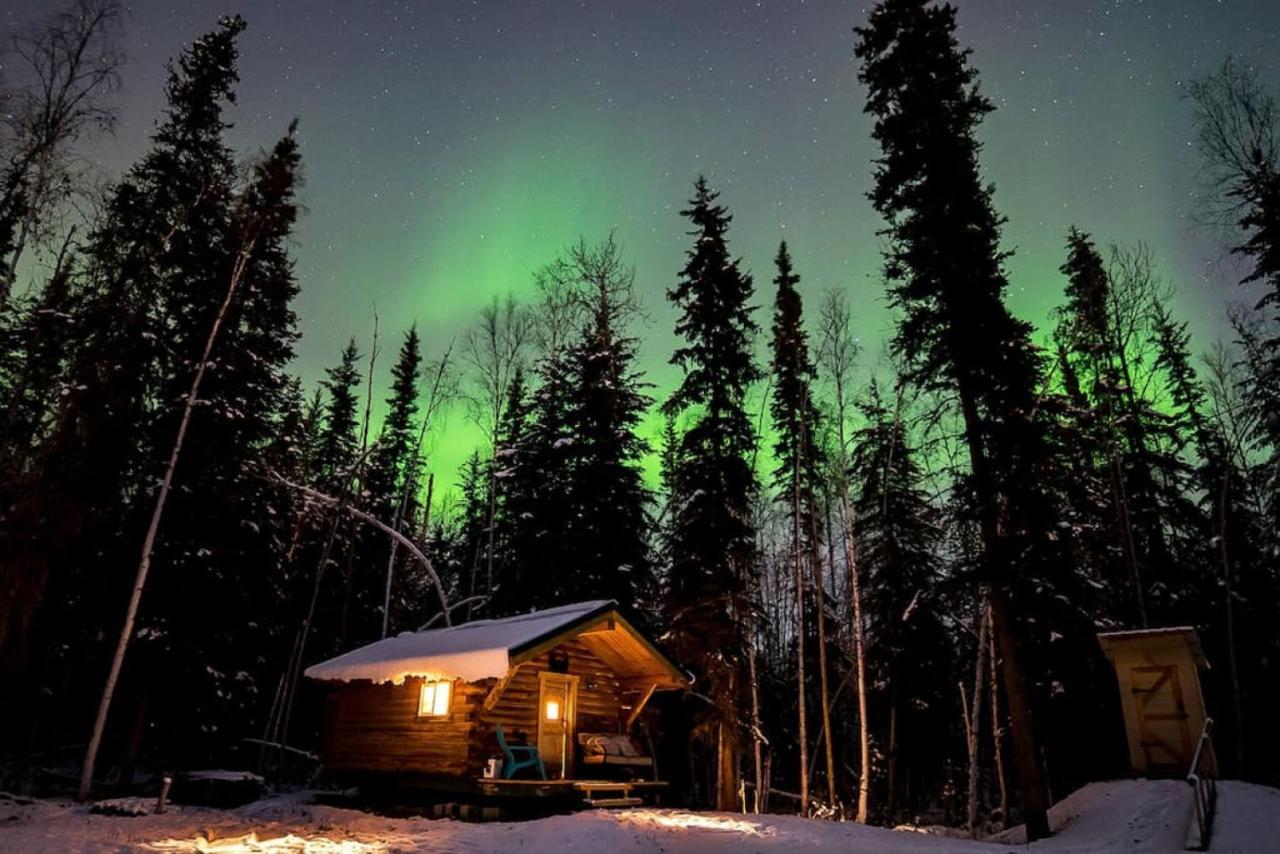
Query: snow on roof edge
472,651
1163,630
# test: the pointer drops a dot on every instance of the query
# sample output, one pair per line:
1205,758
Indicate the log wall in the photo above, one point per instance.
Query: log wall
376,727
600,699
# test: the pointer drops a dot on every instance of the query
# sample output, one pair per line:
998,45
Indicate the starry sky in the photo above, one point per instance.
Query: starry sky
452,148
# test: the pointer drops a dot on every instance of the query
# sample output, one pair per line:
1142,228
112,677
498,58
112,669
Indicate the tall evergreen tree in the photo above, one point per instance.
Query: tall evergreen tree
608,534
899,539
222,515
1109,322
393,477
945,267
393,471
339,440
1237,123
156,267
1087,345
517,511
711,544
537,507
798,478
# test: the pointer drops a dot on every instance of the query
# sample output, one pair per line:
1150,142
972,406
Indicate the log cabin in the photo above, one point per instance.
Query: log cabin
434,708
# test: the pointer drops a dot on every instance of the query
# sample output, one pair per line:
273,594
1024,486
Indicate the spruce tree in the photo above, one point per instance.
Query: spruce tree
392,473
339,441
1087,346
393,476
608,545
522,494
798,480
945,269
900,543
155,269
1237,123
711,543
214,514
538,510
1109,321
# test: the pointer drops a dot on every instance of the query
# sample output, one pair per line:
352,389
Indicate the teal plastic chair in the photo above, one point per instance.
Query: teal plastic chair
530,757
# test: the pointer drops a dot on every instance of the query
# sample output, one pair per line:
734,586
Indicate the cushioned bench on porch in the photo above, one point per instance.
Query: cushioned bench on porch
611,749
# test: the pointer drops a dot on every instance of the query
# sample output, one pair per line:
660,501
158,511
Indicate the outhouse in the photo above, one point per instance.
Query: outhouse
1158,671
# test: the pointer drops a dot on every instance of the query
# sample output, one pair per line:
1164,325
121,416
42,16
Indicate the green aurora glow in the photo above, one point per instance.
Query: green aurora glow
452,149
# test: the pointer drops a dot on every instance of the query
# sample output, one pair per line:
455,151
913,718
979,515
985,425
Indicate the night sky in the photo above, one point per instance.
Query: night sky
452,148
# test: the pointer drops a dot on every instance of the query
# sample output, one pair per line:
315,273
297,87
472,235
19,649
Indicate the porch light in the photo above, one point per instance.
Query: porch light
433,700
553,710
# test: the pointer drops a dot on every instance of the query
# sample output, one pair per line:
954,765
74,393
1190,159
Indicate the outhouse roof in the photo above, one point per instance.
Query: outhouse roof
1135,637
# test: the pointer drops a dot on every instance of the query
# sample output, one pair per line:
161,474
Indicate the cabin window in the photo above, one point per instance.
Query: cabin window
433,700
553,710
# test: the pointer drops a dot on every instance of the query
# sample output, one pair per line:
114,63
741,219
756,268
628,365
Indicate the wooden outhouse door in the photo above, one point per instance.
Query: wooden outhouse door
1162,717
557,713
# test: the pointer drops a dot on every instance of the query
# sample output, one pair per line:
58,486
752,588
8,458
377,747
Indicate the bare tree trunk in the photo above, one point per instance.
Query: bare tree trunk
426,507
1229,606
757,747
891,799
344,615
997,726
1121,497
492,524
153,527
975,722
800,679
820,594
859,655
1031,776
293,669
1035,791
727,760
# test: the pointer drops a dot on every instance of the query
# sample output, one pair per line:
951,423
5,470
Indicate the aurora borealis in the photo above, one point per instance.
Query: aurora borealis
451,148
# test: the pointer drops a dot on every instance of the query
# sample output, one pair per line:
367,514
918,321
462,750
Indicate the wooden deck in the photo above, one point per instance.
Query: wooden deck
588,793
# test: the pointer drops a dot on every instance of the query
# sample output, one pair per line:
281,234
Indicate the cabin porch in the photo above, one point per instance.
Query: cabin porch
582,794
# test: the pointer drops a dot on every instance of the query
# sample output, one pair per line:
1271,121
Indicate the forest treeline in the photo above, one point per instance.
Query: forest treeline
885,583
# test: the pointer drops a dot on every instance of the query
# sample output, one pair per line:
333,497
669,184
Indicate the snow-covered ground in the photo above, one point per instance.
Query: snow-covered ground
1127,815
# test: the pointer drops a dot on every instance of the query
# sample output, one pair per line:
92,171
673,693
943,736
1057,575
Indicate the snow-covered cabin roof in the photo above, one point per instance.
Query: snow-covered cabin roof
480,649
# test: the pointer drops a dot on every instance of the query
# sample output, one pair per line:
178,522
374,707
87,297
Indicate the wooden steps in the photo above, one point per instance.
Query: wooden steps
616,793
589,794
612,803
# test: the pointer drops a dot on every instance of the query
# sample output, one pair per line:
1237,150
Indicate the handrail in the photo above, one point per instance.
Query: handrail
1202,777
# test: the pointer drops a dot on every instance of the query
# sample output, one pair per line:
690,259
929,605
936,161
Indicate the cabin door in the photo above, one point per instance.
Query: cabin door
557,714
1162,718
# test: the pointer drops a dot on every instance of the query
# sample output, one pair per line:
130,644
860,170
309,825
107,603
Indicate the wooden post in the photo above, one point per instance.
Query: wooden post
165,783
495,693
564,731
639,706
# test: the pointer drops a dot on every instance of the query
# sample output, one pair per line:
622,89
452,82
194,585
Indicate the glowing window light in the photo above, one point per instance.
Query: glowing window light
553,710
433,700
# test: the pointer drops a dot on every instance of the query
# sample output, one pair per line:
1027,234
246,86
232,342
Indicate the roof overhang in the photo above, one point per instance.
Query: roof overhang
614,640
1166,636
491,649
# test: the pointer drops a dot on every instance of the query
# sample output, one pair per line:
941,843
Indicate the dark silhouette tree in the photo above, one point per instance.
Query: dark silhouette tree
798,478
945,269
711,542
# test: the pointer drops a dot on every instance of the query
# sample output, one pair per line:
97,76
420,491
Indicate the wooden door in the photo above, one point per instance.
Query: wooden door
1162,718
557,714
